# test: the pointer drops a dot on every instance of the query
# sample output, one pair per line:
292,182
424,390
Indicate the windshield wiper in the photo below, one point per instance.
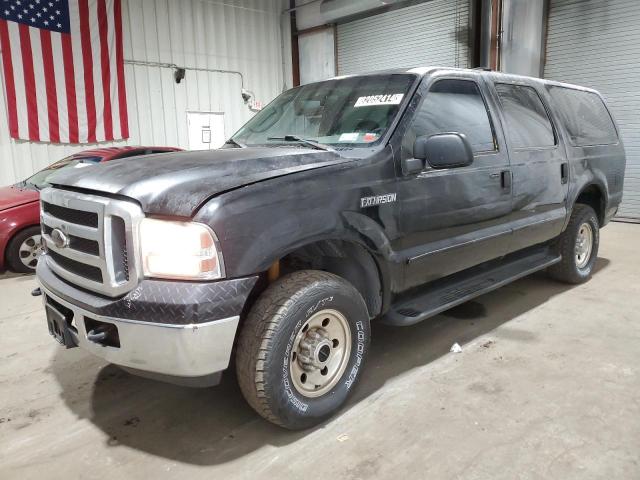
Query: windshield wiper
236,143
305,141
24,184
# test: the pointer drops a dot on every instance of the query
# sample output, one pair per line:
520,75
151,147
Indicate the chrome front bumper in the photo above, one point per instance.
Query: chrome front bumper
191,350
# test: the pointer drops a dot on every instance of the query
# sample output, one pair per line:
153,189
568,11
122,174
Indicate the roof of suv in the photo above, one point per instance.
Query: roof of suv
426,70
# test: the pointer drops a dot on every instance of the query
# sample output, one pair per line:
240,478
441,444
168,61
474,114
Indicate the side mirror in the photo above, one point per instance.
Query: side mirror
445,150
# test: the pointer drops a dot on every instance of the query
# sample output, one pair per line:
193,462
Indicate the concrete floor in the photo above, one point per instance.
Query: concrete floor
547,386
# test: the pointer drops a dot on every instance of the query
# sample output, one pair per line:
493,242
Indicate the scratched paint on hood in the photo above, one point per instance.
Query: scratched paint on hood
178,183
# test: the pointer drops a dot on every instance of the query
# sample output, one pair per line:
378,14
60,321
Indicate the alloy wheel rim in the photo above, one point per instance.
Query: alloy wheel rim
320,353
584,245
30,250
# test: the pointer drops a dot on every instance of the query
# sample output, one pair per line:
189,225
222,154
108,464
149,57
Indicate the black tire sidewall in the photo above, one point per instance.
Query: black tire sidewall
13,250
294,409
588,216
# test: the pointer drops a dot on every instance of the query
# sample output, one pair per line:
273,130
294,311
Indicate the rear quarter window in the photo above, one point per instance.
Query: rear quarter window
584,115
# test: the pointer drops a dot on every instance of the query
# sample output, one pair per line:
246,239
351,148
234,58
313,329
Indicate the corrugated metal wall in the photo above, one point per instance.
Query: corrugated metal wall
242,35
597,44
432,33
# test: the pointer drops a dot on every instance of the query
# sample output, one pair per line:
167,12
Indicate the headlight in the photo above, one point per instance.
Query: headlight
184,250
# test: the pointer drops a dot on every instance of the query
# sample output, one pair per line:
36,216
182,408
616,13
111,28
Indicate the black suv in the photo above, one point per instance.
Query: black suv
384,197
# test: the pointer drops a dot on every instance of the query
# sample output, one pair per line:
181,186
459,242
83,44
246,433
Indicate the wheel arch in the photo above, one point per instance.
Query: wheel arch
363,268
594,195
348,244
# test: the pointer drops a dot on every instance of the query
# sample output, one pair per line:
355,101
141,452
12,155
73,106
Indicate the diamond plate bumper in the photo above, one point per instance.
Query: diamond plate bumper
159,301
167,329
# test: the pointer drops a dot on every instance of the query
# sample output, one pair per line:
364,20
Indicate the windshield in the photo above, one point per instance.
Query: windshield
353,112
39,180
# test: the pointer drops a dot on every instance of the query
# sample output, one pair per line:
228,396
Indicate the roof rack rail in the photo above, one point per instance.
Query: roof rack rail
486,69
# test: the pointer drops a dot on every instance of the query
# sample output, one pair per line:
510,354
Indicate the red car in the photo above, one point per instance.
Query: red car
20,207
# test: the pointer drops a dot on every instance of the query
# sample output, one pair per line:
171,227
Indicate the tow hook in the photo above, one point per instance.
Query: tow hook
98,335
36,292
102,333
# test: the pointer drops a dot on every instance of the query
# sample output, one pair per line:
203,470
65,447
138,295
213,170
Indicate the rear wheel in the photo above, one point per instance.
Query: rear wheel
24,249
578,246
302,348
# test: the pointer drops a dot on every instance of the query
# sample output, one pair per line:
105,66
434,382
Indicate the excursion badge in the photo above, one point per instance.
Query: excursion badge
377,200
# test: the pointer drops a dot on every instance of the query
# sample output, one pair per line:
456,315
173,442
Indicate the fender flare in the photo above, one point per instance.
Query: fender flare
597,180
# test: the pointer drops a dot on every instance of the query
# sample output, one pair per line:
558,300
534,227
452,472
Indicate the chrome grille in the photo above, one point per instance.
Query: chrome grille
99,251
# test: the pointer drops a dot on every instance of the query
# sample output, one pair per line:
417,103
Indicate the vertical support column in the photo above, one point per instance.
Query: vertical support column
295,50
489,26
495,34
545,32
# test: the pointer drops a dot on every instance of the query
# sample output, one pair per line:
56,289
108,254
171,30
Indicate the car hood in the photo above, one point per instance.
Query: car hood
14,196
178,183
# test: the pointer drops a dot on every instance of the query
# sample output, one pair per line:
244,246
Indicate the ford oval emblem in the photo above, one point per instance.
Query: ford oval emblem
59,239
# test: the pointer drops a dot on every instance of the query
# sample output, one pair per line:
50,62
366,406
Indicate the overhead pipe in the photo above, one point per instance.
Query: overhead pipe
179,73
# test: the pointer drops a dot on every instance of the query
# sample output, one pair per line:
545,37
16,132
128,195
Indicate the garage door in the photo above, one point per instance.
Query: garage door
597,44
431,33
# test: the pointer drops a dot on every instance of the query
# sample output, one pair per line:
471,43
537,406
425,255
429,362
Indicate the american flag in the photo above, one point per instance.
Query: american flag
64,70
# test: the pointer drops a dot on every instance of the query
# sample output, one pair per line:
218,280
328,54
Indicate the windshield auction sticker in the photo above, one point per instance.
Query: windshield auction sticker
370,100
348,137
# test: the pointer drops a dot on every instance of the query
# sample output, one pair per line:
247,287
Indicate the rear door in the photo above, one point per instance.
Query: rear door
538,163
455,218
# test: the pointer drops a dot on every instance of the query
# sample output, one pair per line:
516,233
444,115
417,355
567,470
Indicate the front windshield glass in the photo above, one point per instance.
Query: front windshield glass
352,111
39,180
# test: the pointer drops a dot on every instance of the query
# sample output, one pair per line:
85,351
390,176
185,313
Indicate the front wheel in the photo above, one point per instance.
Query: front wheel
578,246
302,348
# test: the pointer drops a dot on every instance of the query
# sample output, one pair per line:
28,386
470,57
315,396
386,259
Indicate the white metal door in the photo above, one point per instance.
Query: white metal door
597,44
431,33
317,55
206,130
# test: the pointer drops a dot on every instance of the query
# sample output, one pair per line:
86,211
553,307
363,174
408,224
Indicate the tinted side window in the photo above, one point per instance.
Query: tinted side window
526,119
453,106
584,115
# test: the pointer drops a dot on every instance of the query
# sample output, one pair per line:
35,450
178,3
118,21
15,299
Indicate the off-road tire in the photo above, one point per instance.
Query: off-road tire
567,270
13,250
267,335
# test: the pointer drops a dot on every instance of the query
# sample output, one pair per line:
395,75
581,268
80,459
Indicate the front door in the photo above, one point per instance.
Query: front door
455,218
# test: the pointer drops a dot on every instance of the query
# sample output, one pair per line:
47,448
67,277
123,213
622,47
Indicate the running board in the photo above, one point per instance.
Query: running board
461,287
